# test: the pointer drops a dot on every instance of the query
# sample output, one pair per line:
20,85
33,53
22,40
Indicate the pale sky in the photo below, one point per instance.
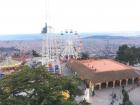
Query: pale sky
29,16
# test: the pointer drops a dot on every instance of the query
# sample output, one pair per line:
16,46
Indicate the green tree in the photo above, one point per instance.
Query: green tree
126,100
84,55
121,53
84,102
35,54
132,57
137,53
37,87
129,55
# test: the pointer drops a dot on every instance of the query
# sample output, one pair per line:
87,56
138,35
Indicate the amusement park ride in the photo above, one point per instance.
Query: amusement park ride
57,49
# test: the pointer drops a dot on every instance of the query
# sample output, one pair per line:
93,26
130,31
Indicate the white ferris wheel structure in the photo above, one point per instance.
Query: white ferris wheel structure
59,48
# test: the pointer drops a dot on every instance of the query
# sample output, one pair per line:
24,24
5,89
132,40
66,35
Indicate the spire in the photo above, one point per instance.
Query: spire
45,29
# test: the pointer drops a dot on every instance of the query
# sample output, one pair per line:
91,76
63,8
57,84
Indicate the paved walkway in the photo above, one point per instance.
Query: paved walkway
104,96
135,96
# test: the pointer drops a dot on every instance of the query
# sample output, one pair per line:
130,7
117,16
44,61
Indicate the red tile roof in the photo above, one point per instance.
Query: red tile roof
106,70
101,65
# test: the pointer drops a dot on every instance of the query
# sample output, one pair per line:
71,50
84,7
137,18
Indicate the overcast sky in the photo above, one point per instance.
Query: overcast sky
29,16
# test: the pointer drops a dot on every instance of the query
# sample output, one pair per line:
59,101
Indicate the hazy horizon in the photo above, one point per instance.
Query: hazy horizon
118,33
38,36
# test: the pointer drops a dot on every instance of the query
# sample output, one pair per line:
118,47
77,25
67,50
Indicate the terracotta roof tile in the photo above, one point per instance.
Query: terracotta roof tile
111,70
101,65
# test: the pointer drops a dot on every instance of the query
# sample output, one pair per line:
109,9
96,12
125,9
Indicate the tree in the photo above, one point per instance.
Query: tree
132,57
126,100
35,54
84,55
121,53
84,102
37,87
137,53
129,55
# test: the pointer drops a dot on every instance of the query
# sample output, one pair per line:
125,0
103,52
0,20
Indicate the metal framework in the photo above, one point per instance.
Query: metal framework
50,50
71,47
56,48
59,47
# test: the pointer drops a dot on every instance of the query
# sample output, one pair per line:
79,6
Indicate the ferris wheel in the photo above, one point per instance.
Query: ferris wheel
72,45
58,47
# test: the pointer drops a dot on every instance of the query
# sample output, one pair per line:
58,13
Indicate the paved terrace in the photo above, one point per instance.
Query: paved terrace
104,96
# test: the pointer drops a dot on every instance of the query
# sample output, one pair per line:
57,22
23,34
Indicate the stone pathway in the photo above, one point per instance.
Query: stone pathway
104,96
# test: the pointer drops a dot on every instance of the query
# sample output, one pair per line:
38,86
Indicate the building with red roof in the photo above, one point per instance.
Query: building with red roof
102,73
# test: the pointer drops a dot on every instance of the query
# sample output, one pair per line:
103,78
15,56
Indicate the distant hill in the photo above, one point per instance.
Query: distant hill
107,37
115,35
38,36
